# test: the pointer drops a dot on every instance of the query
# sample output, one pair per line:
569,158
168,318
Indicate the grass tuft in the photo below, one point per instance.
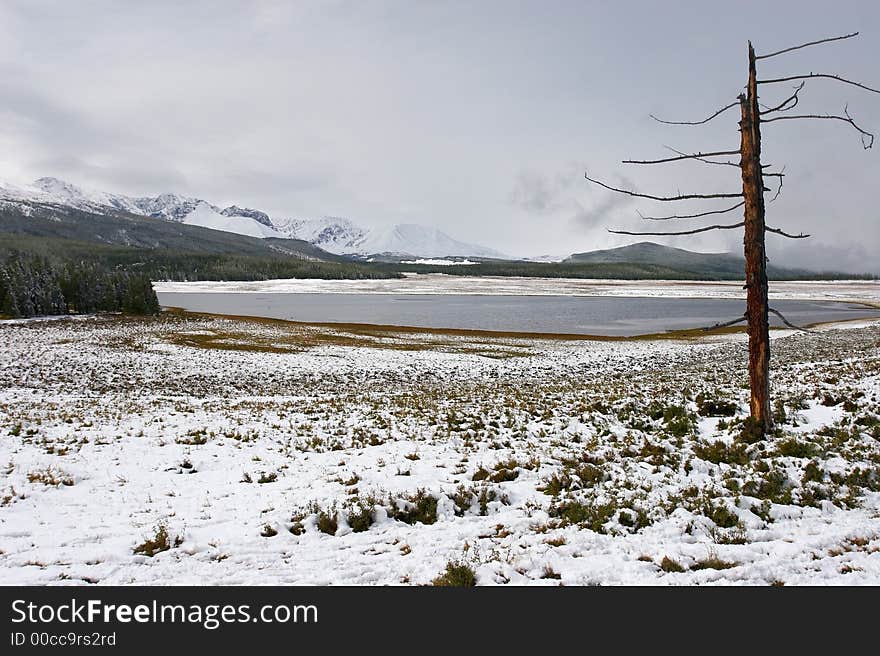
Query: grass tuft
670,565
456,575
160,542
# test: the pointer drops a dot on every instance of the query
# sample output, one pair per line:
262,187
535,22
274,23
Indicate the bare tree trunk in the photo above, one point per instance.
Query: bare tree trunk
752,199
755,254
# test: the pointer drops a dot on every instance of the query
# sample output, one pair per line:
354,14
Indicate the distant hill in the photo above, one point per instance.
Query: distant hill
163,249
710,265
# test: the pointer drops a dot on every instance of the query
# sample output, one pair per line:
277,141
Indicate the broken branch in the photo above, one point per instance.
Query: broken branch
781,177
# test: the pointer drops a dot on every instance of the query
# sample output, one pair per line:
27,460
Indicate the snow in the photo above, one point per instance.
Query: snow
66,193
169,207
856,291
547,258
52,191
414,240
207,217
256,215
157,421
436,262
343,237
332,234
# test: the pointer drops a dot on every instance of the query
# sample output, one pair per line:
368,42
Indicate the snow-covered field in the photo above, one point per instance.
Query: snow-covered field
270,453
865,291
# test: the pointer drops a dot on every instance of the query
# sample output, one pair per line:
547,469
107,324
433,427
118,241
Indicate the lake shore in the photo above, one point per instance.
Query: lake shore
281,453
521,305
856,291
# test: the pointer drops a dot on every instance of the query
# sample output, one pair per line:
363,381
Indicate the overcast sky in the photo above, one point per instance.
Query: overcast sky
477,117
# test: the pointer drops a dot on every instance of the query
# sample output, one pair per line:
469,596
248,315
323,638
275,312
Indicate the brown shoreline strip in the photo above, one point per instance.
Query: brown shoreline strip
378,330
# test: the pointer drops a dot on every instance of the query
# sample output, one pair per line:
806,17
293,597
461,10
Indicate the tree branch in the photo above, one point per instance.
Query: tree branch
777,231
807,45
784,105
819,75
781,177
733,322
705,120
681,157
662,198
787,322
699,157
691,216
683,232
866,137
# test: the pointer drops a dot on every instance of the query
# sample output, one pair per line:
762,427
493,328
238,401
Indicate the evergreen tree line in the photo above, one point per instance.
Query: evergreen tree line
168,265
34,285
181,265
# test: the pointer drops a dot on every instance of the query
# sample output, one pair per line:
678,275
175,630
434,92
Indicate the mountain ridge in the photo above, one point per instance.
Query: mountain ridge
335,235
328,237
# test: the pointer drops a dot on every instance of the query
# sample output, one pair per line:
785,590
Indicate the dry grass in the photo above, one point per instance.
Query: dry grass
277,336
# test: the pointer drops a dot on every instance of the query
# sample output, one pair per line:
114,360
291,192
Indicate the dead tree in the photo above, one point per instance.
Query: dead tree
751,200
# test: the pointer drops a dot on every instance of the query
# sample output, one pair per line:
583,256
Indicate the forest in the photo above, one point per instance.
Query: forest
184,264
35,285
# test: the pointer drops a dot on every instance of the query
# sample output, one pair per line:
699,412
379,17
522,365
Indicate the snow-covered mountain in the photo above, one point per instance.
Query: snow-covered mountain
332,234
256,215
51,191
341,236
168,207
65,193
414,240
207,216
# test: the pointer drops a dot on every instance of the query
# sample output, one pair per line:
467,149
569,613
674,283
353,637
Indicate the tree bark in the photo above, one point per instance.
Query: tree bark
755,254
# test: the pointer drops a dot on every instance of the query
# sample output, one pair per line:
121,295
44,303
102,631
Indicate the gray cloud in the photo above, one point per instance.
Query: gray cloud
540,193
124,175
606,210
467,116
567,193
532,193
853,258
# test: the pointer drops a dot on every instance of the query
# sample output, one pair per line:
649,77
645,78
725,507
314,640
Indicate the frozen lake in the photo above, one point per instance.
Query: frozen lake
579,315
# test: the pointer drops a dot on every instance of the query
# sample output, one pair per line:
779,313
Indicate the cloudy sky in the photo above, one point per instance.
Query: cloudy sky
477,117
